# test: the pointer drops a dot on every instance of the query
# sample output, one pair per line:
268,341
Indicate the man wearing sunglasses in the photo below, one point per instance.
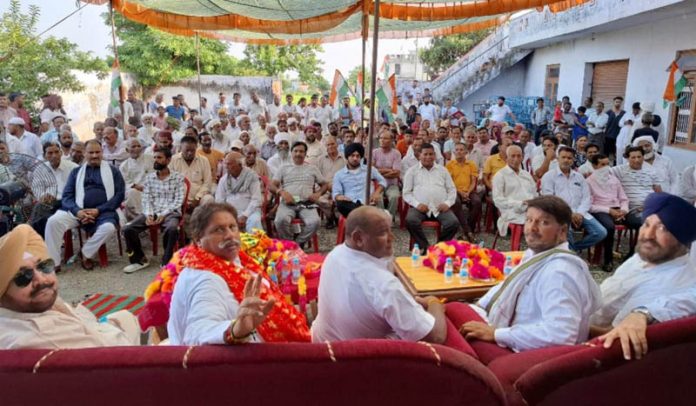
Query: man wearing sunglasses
32,315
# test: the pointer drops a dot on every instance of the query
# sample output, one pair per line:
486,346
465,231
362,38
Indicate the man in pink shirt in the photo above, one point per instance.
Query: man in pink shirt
485,143
387,160
609,204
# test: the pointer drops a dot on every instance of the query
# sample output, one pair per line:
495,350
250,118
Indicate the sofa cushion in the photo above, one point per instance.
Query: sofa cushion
460,313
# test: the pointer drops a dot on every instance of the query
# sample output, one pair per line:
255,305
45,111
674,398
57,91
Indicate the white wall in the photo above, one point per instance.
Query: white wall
650,48
510,82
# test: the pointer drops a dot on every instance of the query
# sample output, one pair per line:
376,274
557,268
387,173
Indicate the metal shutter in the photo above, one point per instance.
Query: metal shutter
609,81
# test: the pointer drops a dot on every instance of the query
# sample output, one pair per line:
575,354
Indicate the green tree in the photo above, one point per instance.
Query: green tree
157,58
38,66
443,52
279,60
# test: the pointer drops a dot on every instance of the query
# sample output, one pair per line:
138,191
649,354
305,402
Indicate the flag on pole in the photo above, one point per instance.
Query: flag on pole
339,89
358,88
675,84
116,84
384,70
386,96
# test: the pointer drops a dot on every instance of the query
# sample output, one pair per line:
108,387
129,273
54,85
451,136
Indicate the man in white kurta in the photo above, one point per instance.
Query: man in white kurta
512,186
34,316
359,296
134,170
241,187
548,298
658,283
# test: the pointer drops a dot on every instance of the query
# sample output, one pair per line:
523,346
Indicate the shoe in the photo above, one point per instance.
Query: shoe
608,268
56,269
330,224
132,268
87,264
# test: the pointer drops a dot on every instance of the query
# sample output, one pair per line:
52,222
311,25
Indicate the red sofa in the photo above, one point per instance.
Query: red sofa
361,372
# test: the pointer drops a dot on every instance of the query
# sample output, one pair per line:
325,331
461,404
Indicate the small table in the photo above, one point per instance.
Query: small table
424,281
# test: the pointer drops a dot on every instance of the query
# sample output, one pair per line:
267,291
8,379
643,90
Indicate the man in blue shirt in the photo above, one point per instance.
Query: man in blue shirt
91,196
176,110
348,189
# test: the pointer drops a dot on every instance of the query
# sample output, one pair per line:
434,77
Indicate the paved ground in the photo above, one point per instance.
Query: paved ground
76,283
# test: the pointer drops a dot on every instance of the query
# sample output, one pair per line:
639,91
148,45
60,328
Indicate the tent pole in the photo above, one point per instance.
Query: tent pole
198,69
373,79
121,88
362,82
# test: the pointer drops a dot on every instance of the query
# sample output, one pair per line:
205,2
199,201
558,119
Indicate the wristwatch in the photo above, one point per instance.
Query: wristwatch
645,312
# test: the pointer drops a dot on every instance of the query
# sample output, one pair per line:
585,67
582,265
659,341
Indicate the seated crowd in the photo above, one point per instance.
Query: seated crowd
231,162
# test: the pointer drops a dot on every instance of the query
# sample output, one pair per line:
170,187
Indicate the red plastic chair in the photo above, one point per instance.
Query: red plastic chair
434,224
341,230
155,228
516,231
620,229
315,238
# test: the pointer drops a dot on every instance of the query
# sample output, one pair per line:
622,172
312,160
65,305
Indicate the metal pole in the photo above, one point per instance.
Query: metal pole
373,79
120,90
198,69
362,85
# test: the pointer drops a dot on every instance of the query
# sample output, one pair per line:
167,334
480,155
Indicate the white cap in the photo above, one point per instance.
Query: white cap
292,120
282,136
237,144
16,121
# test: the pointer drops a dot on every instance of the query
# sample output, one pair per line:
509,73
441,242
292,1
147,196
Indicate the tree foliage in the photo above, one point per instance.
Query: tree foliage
278,60
443,52
157,58
38,66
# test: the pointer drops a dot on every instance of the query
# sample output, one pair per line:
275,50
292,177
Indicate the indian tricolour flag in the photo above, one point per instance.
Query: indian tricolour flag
339,89
386,95
675,84
115,85
358,88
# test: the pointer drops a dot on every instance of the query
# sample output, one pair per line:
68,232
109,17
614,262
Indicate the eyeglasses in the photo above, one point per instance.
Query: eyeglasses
26,274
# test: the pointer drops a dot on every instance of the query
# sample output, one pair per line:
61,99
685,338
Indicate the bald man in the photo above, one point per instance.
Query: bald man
240,186
359,296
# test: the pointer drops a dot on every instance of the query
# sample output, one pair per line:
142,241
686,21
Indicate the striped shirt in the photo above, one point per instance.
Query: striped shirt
637,184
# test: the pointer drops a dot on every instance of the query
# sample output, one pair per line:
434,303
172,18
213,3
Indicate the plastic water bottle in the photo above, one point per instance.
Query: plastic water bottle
272,273
508,266
449,271
284,272
296,272
464,272
415,256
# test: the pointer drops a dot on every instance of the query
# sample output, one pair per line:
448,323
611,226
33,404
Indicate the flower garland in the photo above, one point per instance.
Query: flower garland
484,263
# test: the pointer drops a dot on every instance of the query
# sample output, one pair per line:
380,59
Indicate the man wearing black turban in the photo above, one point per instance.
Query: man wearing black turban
658,283
348,190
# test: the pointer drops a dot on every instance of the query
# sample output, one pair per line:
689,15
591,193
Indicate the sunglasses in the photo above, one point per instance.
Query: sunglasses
25,274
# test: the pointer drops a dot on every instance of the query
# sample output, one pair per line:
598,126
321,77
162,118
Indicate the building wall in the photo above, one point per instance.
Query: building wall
650,48
510,82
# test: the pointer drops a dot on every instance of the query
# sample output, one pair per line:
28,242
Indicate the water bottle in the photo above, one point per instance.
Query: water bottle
508,266
296,271
415,256
284,272
464,272
272,272
449,271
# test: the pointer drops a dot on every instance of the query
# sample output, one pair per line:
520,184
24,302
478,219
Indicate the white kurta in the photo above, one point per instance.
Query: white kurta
554,308
668,177
359,297
510,190
202,309
668,290
64,326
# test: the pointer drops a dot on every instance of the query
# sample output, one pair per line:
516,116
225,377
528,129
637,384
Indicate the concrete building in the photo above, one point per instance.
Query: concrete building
601,49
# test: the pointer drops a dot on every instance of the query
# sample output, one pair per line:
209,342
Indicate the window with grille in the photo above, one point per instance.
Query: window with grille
683,111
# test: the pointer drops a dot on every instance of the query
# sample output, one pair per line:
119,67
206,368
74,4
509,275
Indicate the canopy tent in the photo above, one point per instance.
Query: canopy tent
284,22
288,22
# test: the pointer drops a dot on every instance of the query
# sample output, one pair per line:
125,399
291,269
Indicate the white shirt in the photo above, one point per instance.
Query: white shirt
147,135
201,310
273,112
134,171
498,113
315,151
275,162
573,189
428,112
586,169
247,201
600,122
430,187
667,290
510,190
61,174
221,142
538,160
637,184
257,109
667,175
359,297
687,184
553,309
30,144
127,106
439,158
